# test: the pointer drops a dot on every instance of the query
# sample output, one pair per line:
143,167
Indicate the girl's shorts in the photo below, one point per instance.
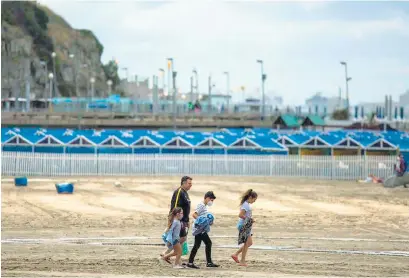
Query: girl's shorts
239,225
169,244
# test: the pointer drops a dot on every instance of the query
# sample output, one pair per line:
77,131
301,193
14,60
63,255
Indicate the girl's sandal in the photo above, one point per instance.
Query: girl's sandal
166,260
235,258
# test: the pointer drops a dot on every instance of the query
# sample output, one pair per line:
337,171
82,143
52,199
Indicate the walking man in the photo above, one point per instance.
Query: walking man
180,198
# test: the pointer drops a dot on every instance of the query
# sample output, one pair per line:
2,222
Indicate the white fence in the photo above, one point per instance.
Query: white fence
318,167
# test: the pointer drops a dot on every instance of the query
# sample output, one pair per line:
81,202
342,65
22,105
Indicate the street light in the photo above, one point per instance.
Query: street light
72,56
210,94
170,70
127,81
162,75
92,80
191,89
347,79
174,74
53,55
51,76
109,83
44,64
197,80
227,89
263,78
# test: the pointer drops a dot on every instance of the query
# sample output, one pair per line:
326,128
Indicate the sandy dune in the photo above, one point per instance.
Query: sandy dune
303,229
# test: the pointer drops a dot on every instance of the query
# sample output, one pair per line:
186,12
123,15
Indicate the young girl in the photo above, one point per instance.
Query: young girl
172,239
245,226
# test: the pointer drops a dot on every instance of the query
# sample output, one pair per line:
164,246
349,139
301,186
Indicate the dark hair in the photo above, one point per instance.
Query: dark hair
249,193
210,194
172,215
184,179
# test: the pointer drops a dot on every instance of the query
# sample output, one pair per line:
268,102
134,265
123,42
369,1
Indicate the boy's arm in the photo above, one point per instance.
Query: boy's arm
199,208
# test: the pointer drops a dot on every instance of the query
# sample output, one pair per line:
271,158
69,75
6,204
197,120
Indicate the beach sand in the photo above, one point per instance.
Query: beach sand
107,231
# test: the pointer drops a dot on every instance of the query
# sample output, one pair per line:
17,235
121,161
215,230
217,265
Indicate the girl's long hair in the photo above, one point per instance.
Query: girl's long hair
249,193
172,216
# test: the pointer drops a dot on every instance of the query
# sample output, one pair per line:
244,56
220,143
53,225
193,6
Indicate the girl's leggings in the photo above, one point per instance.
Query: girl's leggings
198,241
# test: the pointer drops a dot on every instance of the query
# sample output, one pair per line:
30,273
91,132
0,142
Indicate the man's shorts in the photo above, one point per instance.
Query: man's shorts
184,230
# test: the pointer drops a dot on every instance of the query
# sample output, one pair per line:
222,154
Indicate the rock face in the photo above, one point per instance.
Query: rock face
30,33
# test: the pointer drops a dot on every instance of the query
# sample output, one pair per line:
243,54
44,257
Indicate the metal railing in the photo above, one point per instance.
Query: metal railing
316,167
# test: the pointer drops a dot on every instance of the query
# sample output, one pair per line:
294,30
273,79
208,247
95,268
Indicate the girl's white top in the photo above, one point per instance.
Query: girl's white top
247,208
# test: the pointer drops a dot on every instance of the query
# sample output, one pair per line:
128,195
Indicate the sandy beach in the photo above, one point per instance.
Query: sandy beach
304,228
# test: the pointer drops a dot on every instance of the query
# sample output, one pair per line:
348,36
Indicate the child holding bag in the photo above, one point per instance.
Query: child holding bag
201,228
245,226
171,237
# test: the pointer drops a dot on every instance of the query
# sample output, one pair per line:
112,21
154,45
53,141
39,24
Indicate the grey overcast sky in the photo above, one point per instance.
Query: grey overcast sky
301,43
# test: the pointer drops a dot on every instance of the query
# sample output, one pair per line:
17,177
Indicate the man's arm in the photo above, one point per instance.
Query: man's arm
172,201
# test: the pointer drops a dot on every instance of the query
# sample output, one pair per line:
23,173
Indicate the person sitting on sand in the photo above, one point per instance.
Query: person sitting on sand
371,179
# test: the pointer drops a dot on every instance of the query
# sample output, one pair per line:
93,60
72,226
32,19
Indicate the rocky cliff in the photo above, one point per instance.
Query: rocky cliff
30,34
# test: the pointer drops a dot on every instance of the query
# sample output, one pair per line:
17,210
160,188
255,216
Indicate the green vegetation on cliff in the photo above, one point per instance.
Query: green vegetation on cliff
45,32
33,21
89,33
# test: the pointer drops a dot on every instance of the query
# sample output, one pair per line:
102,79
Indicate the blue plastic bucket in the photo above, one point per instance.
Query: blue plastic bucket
64,188
20,181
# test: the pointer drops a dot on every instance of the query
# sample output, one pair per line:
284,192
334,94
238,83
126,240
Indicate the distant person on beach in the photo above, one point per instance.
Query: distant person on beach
371,179
400,167
245,226
200,229
172,239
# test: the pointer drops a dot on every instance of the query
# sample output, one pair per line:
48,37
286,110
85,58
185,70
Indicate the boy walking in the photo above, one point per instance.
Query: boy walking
200,230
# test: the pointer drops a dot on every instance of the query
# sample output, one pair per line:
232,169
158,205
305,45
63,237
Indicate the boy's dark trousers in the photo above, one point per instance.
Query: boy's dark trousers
198,240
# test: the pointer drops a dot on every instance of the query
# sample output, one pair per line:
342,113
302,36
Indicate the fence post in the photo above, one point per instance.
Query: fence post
96,163
333,163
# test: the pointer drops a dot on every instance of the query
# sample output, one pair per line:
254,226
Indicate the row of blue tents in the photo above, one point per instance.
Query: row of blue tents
225,141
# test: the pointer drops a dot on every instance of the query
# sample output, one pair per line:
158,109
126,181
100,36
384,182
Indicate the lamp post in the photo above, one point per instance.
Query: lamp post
210,94
347,79
174,98
127,81
263,78
51,76
227,89
109,83
162,75
155,87
191,89
170,76
92,80
53,55
72,56
85,66
197,81
44,64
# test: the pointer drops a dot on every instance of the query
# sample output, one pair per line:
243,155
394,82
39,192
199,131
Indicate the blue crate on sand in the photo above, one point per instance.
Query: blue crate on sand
20,181
64,188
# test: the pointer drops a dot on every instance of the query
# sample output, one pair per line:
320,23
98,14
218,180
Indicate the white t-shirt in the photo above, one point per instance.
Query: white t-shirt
247,208
201,209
